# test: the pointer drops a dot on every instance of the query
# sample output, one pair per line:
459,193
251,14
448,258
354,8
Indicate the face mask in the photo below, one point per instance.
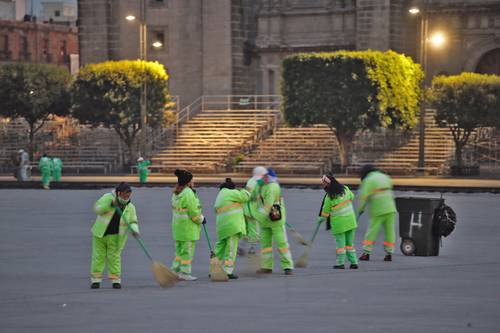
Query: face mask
260,182
122,201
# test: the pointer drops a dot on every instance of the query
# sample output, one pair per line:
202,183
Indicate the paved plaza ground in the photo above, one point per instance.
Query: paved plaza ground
45,259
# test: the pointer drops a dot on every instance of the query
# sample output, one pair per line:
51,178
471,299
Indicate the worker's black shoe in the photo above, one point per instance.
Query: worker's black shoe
264,271
95,285
117,285
339,267
232,276
365,257
354,266
288,271
388,257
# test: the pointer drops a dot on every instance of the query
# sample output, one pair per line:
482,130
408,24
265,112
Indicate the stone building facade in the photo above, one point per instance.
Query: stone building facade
220,47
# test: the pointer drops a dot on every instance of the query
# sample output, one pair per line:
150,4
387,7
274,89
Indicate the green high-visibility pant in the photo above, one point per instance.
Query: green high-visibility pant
252,230
387,221
344,242
184,253
108,249
46,178
57,175
277,233
143,176
226,250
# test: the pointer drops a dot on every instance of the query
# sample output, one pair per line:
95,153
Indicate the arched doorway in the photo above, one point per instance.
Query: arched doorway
489,63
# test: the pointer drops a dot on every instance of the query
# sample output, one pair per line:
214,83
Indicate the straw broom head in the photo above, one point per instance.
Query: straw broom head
217,274
298,237
163,275
304,258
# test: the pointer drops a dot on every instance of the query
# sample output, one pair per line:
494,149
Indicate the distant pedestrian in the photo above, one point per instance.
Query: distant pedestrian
230,224
115,213
45,167
143,169
376,192
187,218
57,169
24,166
337,210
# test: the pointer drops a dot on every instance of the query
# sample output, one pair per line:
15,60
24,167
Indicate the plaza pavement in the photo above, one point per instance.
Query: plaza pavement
45,258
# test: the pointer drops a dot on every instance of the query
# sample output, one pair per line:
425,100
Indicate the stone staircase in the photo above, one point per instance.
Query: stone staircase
213,139
439,147
297,150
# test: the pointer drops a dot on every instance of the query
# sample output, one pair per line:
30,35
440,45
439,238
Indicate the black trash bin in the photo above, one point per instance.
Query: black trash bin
417,229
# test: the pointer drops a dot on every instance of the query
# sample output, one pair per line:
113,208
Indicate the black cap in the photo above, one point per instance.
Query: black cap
123,187
228,183
183,176
366,169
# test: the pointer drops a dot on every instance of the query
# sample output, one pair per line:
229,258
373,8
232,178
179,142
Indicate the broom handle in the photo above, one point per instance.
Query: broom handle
208,238
315,232
138,238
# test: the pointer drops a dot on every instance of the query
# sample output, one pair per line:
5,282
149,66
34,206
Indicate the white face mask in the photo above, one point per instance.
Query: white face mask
122,201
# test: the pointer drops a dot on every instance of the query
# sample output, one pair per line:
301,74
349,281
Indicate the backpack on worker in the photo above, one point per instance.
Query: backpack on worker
445,220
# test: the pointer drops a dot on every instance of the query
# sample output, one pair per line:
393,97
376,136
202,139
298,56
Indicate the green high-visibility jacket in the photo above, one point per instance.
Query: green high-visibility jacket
376,190
45,164
229,212
57,163
186,215
143,166
340,211
253,188
104,210
270,194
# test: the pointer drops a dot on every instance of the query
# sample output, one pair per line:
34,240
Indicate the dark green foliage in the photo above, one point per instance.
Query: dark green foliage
465,102
351,91
34,92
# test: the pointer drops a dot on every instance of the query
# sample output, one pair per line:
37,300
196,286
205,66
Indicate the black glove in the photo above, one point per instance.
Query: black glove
204,221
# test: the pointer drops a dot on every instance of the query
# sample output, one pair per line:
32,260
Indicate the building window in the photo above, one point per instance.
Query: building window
158,3
4,47
24,49
157,40
57,13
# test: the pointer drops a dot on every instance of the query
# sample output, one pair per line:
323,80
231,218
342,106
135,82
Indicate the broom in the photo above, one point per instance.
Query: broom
162,274
217,274
304,258
296,236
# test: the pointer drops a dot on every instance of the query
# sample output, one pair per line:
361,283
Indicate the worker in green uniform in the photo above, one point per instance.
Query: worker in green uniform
143,170
338,210
116,216
271,215
57,169
45,167
249,208
230,224
186,222
376,192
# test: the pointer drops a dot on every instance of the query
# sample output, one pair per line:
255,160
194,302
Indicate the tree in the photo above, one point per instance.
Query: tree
34,92
108,94
465,102
350,91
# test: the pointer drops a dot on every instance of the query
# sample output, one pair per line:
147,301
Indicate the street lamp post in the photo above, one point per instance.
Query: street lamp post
422,59
143,49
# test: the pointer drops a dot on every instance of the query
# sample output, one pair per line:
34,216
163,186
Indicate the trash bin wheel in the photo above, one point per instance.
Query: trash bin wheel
408,247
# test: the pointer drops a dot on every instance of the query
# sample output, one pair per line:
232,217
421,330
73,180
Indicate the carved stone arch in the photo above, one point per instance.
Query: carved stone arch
479,50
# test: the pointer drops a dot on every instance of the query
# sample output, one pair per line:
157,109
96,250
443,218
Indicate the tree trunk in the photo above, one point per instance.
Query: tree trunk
345,147
458,154
31,144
